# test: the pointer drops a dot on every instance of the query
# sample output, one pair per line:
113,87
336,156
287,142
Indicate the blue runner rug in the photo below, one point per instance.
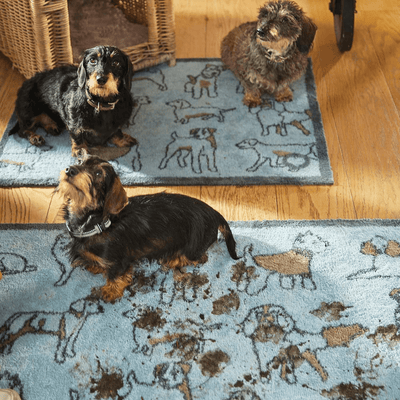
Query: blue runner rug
193,129
310,311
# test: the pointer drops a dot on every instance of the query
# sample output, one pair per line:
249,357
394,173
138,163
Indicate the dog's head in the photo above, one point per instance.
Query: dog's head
92,184
280,25
105,70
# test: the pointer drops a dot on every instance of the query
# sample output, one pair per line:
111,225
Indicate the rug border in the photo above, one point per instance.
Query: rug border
325,179
240,224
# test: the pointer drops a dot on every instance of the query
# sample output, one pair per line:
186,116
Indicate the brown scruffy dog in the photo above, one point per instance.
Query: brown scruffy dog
269,54
111,233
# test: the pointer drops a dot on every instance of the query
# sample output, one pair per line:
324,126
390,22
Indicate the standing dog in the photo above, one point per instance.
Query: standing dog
269,54
111,232
93,101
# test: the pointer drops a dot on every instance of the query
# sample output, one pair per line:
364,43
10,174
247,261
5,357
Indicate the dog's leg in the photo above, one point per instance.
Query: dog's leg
121,139
48,124
79,150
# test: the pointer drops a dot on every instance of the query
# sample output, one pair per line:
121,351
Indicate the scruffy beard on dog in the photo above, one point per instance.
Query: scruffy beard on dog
111,233
269,54
92,100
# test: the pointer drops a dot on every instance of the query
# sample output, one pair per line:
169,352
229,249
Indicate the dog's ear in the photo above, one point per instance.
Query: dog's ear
116,198
128,74
305,40
82,74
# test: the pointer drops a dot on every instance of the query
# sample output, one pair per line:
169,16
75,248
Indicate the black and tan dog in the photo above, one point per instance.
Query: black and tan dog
269,54
93,101
111,232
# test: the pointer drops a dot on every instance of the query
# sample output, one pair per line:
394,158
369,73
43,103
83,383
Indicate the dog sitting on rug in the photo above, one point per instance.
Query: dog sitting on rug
269,54
93,101
111,232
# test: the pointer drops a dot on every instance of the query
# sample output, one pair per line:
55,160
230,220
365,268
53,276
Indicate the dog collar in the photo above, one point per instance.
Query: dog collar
100,106
97,228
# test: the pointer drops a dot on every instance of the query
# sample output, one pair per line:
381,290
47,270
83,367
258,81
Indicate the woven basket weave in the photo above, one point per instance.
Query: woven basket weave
35,34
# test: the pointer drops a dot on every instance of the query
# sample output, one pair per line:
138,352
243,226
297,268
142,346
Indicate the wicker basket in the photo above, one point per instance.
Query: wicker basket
35,34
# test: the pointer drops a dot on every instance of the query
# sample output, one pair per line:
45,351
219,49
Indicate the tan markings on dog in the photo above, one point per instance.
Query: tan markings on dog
179,261
279,46
79,150
312,359
288,263
299,126
389,334
342,335
45,121
123,141
113,290
97,264
205,84
225,304
369,249
274,32
330,311
393,249
77,191
252,99
110,88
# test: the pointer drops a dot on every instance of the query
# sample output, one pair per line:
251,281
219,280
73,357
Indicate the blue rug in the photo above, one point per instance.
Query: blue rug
310,311
193,129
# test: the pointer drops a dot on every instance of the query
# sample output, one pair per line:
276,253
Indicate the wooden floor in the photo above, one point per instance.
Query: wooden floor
359,96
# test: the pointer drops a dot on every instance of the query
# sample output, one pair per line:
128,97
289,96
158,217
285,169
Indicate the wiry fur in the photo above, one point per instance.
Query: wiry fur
80,99
174,229
268,54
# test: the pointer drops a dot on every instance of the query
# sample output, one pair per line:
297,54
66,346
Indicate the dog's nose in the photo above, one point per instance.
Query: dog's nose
270,52
71,171
101,79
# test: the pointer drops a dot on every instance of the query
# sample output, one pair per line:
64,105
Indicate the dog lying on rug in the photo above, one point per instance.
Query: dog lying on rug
111,232
269,54
93,101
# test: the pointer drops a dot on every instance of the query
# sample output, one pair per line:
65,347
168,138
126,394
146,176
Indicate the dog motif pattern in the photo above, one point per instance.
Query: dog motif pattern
200,142
309,307
194,95
205,82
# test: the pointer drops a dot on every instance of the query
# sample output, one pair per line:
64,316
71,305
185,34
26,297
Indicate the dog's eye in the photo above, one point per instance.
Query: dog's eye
260,33
93,61
99,174
116,63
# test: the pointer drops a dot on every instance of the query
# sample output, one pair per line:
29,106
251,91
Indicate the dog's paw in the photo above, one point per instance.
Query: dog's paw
251,100
124,140
284,95
110,294
36,140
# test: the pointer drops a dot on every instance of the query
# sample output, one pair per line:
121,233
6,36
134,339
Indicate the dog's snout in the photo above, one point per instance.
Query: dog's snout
71,171
101,79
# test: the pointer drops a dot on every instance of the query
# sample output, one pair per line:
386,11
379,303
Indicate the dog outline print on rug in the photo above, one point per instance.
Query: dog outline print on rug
292,267
279,345
292,156
184,111
275,117
64,325
385,255
200,142
206,82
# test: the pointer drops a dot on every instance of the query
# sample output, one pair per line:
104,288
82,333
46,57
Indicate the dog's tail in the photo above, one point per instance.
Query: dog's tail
229,239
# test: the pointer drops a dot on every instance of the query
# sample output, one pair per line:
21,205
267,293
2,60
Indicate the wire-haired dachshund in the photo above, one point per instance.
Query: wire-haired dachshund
111,232
93,101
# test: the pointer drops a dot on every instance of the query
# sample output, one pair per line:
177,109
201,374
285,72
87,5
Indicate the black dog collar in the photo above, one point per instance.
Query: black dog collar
100,106
96,230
